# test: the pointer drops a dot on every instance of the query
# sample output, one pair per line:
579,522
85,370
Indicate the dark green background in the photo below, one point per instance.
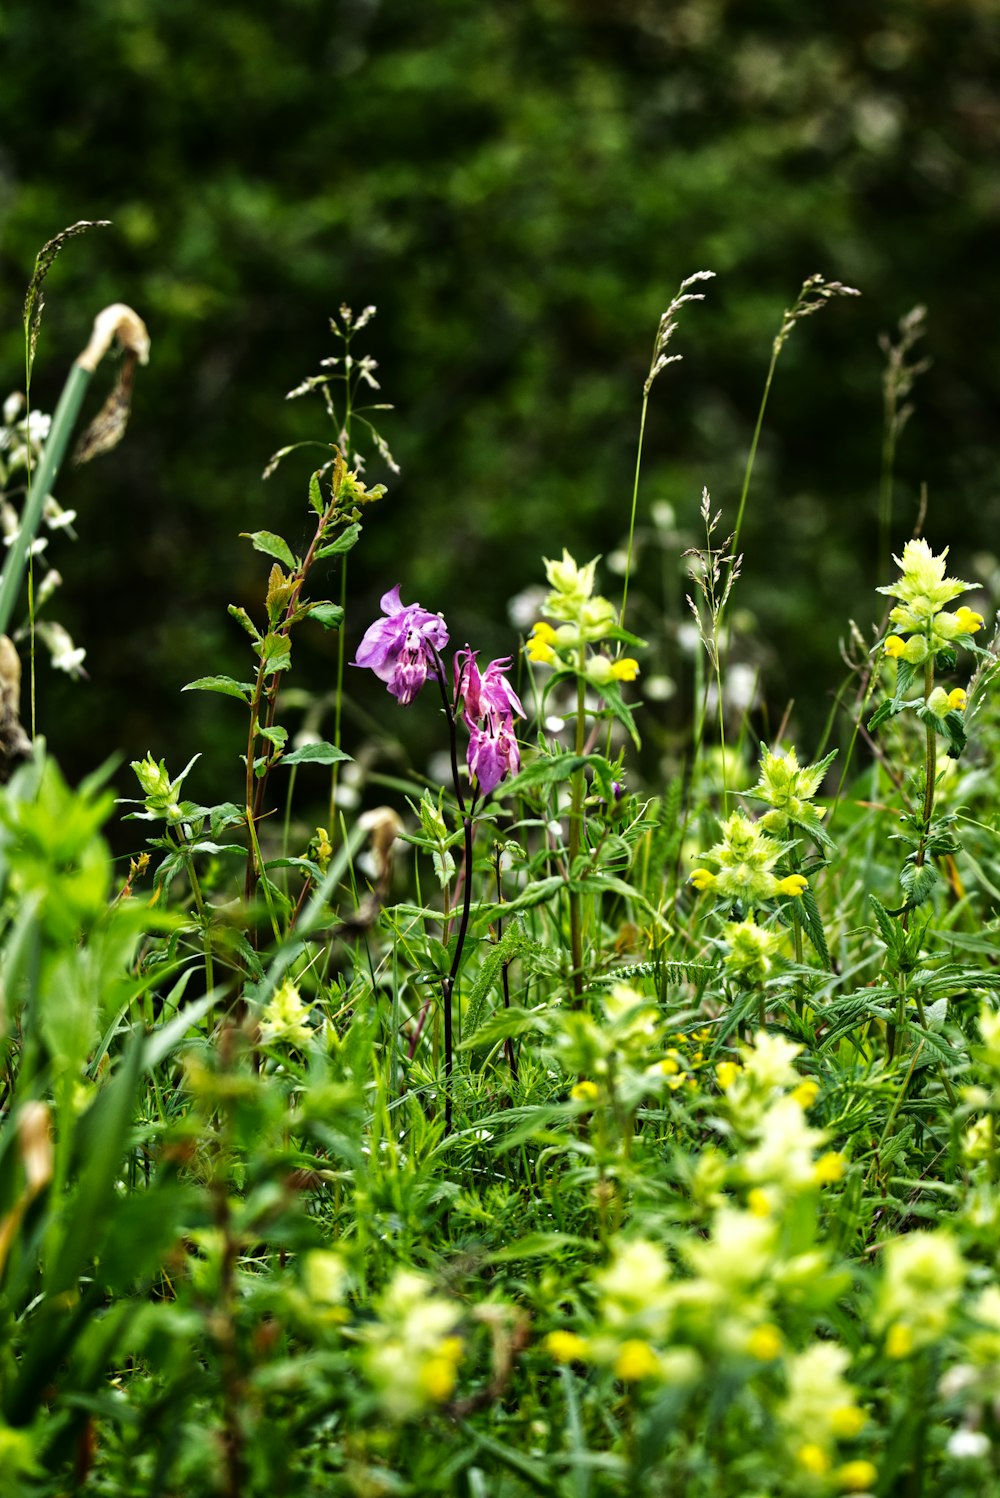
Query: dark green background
519,188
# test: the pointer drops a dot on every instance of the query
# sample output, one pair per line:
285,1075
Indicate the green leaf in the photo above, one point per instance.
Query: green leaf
883,712
242,617
330,615
315,754
918,882
954,729
315,493
271,545
812,923
610,693
275,651
224,684
275,735
553,769
344,542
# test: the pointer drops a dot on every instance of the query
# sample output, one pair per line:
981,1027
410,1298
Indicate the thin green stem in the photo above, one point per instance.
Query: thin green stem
578,788
635,505
752,455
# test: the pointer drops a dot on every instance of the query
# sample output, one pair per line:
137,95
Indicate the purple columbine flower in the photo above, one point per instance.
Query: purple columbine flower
402,647
486,694
493,754
490,705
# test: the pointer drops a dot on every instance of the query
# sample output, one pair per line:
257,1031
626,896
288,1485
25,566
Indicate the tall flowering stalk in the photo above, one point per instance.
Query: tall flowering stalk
404,649
925,638
583,622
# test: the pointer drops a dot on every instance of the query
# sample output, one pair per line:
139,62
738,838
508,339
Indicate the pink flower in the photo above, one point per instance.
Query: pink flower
402,647
493,755
488,693
490,705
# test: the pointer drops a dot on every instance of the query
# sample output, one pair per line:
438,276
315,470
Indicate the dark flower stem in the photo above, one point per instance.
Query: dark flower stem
466,813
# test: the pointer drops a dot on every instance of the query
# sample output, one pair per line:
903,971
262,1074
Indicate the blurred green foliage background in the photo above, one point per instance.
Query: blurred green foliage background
519,188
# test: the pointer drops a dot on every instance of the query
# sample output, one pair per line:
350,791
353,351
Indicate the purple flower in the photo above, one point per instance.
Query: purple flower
403,646
487,694
490,705
493,754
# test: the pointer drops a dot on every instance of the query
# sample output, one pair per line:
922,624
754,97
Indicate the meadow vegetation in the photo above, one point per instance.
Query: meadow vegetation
538,1124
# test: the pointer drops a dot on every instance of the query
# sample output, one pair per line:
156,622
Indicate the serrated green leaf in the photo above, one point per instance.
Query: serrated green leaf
346,541
884,711
315,493
272,545
610,694
918,882
315,754
554,769
330,615
275,652
242,617
224,684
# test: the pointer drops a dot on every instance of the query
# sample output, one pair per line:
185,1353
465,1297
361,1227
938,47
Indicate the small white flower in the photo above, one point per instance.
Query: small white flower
968,1445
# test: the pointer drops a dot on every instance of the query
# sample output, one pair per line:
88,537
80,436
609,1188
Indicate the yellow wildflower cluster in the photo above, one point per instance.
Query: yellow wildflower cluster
583,619
412,1352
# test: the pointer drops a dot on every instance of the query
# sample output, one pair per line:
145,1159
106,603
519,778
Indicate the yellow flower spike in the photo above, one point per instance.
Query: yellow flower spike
793,884
626,669
585,1092
565,1347
813,1458
957,700
702,879
828,1168
765,1343
635,1360
857,1477
847,1421
899,1340
806,1093
759,1202
726,1074
894,646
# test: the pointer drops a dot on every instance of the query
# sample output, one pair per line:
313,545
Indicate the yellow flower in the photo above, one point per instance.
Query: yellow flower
438,1378
635,1360
565,1347
702,879
828,1168
857,1477
626,669
726,1073
894,646
847,1421
765,1343
806,1093
813,1458
585,1092
759,1202
539,647
899,1340
793,884
968,620
957,700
